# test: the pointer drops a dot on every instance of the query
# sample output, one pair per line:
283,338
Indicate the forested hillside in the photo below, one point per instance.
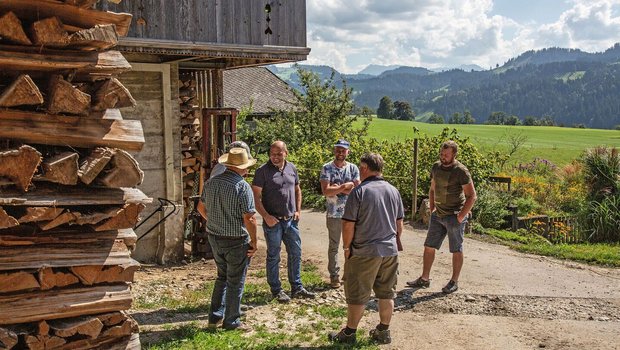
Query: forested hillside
568,85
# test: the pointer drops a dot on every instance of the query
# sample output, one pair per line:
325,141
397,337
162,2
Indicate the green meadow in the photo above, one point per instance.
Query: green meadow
557,144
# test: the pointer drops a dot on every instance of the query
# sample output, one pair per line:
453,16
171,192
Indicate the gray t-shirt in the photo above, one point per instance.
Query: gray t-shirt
374,206
278,188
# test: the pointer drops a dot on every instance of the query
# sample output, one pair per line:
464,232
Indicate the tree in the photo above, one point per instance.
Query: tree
497,118
320,114
512,120
386,108
468,118
436,119
529,120
403,111
455,119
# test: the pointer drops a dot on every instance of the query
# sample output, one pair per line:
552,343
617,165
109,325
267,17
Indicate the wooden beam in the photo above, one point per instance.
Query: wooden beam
50,129
19,58
76,16
64,303
22,92
27,237
48,196
25,257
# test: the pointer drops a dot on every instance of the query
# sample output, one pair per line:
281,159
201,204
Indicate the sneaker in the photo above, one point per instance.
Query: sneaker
241,327
451,287
334,282
342,337
282,297
419,283
381,337
302,293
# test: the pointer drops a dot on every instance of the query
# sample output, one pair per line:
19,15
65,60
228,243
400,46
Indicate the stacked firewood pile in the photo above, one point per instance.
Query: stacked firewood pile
191,136
68,200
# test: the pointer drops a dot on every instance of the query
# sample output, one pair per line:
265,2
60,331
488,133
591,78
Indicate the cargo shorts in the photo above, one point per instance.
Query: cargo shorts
440,227
363,274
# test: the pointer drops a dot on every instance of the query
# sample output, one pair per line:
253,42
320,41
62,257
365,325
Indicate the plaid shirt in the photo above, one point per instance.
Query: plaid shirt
227,197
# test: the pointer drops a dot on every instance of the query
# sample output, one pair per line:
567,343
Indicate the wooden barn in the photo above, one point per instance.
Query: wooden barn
179,51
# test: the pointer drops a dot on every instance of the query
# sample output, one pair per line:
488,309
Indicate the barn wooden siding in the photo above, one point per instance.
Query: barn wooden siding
216,21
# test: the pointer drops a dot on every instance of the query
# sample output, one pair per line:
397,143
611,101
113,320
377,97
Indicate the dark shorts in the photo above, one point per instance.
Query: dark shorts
440,227
364,274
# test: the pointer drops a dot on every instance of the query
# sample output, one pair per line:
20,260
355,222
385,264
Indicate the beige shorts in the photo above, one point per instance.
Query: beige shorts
365,274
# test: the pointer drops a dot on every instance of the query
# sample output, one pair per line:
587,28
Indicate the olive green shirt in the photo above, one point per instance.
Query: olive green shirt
449,182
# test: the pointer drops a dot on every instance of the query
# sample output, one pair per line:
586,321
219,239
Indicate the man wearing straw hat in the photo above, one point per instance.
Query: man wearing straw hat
227,204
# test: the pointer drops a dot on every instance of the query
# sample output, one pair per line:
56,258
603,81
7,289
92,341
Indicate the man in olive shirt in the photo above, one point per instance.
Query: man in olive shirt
451,197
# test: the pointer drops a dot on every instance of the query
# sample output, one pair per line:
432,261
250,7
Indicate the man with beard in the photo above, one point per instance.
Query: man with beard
278,200
338,178
451,197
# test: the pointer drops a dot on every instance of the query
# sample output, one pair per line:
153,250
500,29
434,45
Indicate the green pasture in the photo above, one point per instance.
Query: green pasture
559,145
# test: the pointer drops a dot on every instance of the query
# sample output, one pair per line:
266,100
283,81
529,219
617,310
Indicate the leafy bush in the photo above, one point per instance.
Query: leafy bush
602,220
602,172
491,210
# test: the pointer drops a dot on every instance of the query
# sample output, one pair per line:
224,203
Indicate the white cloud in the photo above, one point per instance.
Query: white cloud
438,33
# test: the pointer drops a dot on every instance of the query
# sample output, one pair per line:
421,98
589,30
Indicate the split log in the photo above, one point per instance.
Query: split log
126,217
112,94
94,164
65,98
113,318
124,172
61,168
100,37
72,196
90,275
81,3
17,281
188,162
22,92
62,219
33,59
34,214
76,16
124,329
49,279
96,217
131,342
11,29
49,32
7,220
19,165
8,339
64,303
88,326
70,131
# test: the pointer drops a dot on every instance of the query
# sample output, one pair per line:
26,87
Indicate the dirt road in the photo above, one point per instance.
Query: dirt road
506,300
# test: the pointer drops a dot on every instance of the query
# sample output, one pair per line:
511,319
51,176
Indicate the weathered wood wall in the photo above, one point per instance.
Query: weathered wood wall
216,21
165,243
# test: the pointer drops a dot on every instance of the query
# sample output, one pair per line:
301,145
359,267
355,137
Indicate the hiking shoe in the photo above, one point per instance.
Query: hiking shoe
451,287
302,293
381,337
342,337
334,282
282,297
419,283
241,327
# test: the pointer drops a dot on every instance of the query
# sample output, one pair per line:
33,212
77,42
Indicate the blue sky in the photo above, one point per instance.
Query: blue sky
350,35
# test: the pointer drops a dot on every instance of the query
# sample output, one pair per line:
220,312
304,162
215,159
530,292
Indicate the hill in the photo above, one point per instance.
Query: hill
569,85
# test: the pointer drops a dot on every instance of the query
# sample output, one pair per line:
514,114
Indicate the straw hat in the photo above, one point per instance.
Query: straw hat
237,157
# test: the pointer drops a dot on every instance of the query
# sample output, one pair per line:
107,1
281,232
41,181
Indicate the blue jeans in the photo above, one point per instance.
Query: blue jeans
440,227
232,263
284,231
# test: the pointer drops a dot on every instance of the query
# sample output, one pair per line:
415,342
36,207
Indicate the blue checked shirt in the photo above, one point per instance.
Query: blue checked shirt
226,198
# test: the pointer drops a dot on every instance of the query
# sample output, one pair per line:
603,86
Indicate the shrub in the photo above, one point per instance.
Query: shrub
602,220
490,209
601,172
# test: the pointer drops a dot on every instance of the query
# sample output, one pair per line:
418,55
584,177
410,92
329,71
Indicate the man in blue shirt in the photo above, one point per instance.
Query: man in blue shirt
338,178
278,200
227,204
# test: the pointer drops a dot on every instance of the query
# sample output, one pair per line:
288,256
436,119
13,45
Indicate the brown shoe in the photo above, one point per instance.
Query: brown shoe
334,282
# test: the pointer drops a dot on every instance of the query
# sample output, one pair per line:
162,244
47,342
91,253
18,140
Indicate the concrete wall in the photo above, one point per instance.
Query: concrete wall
160,158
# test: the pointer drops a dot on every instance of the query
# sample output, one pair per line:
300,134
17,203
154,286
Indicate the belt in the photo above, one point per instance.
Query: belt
229,238
283,218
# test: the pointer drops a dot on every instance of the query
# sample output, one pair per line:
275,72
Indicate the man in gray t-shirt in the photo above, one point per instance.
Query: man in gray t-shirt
371,224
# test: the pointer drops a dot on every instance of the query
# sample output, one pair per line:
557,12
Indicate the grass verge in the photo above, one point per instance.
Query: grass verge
598,254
